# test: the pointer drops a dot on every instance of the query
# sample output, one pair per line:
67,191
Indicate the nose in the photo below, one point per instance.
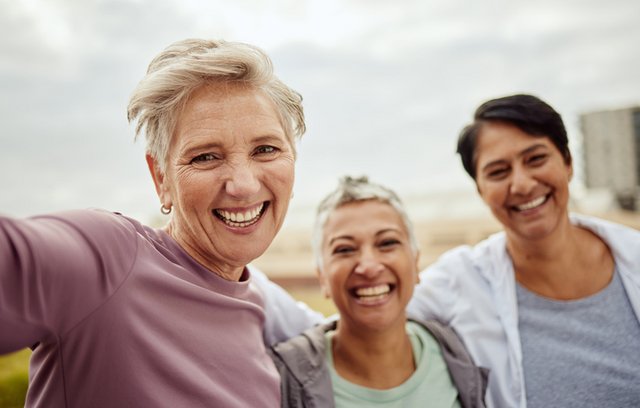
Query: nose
242,181
522,182
368,265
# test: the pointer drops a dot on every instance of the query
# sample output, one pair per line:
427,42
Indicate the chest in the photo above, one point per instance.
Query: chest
580,353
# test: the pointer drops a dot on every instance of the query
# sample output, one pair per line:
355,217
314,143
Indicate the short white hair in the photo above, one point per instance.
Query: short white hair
186,65
352,190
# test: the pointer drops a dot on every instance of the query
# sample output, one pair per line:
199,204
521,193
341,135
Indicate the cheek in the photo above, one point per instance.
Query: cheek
335,277
491,195
281,176
190,189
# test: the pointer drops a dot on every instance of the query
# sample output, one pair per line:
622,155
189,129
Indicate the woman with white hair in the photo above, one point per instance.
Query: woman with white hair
367,263
120,314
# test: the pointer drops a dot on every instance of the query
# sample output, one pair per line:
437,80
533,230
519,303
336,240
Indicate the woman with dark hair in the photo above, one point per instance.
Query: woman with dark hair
551,304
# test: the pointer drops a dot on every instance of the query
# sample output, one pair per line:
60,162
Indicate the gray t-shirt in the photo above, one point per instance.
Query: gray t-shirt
580,353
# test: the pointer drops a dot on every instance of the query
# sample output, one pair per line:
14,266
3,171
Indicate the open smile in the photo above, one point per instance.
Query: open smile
372,294
537,202
242,219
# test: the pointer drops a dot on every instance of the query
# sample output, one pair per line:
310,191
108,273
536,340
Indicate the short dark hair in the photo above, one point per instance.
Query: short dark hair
526,112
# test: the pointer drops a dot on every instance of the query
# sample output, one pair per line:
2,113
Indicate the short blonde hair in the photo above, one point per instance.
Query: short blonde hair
186,65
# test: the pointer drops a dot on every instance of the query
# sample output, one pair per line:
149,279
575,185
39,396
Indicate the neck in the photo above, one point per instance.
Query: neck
553,247
571,263
225,271
373,359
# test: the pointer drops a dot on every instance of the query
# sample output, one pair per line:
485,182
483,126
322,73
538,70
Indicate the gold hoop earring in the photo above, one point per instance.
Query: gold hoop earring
164,210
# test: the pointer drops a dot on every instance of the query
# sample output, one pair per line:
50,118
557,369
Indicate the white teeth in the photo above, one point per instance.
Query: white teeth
371,299
241,219
531,204
373,291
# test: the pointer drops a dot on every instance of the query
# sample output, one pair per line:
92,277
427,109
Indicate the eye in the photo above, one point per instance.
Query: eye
342,250
389,242
203,158
497,173
537,159
266,150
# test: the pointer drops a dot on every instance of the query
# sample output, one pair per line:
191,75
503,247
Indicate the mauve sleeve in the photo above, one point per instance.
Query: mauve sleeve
55,270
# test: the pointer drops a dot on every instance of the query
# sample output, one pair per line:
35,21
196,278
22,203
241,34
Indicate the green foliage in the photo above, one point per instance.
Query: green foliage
14,378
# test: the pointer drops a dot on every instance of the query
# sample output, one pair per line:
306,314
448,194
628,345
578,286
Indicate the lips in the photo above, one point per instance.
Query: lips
241,219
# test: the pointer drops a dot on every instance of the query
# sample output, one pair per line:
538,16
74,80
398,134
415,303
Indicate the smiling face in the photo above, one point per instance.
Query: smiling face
523,179
368,266
229,177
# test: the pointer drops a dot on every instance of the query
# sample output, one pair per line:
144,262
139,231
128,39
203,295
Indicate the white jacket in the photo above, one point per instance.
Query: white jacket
473,290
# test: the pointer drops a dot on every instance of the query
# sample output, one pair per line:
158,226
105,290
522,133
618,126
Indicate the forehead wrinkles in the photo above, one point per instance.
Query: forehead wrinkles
229,109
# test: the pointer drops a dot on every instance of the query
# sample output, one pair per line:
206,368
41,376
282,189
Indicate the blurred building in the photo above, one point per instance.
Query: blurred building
611,148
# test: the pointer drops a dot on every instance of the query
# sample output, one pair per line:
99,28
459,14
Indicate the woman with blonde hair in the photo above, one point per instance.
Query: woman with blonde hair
120,314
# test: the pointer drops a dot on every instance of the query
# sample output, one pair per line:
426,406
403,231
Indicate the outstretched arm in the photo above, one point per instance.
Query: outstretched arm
54,270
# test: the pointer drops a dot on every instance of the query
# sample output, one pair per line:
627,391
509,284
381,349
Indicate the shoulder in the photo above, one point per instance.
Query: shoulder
93,221
466,266
460,280
304,373
605,229
306,350
446,337
75,259
77,232
467,259
623,241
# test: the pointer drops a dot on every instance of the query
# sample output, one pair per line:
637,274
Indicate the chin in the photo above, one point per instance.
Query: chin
533,233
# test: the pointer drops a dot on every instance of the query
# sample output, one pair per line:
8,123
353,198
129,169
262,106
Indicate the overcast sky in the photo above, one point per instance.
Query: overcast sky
387,84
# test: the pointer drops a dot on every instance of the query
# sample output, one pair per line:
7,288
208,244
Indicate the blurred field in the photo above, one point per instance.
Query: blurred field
313,298
14,374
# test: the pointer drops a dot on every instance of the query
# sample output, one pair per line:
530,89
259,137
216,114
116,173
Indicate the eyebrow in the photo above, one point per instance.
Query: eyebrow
351,238
195,148
269,138
522,153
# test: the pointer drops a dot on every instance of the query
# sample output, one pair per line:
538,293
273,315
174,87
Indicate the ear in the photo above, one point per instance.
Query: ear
324,286
158,181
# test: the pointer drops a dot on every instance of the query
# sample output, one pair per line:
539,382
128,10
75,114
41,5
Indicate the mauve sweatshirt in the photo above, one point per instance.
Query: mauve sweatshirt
119,315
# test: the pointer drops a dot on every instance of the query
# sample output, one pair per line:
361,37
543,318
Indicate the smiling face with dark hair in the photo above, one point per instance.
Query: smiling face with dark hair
524,180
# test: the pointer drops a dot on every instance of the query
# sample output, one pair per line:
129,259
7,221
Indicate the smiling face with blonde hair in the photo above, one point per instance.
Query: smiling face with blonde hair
229,177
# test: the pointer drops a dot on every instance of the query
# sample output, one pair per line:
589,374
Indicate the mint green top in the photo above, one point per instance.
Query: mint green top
430,385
